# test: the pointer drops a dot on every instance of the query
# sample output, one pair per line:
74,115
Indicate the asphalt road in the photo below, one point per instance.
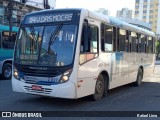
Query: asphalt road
125,98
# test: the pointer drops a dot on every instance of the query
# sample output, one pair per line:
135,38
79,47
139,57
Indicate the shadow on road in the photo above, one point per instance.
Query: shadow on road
127,97
65,103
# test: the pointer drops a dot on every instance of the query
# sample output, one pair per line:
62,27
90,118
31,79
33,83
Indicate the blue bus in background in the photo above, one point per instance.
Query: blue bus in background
6,50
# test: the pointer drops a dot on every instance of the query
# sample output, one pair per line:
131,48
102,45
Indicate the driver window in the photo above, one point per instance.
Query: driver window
92,43
89,45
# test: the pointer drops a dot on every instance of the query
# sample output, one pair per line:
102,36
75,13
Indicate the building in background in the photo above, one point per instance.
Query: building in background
149,12
19,10
124,13
39,3
103,11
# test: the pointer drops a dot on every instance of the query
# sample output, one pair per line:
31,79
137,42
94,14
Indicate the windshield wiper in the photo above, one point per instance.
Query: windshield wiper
54,36
33,36
32,32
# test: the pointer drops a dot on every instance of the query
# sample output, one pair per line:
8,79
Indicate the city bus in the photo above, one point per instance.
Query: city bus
6,50
72,53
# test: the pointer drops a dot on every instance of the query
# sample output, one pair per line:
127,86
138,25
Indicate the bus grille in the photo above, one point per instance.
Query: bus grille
40,73
43,90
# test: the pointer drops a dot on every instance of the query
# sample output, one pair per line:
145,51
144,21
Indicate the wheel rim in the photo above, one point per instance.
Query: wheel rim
99,87
7,72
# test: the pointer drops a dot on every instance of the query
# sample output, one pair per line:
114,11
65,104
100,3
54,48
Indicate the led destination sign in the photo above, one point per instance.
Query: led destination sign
49,18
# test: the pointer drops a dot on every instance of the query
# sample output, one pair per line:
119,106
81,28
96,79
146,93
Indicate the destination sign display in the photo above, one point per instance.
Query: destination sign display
48,18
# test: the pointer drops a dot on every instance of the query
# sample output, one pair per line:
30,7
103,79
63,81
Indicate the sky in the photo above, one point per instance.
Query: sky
111,5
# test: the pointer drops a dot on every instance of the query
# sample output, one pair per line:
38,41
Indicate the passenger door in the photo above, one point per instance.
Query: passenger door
88,58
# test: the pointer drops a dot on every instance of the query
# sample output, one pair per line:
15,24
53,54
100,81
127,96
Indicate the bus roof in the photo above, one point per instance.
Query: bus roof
118,23
124,25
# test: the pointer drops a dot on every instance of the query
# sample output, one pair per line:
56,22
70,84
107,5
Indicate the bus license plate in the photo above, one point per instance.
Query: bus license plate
35,87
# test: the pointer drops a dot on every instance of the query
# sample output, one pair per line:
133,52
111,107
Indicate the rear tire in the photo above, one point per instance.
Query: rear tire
7,71
139,78
99,88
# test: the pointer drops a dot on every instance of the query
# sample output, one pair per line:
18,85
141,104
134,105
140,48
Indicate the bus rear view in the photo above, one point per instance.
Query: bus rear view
44,53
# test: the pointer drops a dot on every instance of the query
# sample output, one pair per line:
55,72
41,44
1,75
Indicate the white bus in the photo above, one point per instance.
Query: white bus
72,53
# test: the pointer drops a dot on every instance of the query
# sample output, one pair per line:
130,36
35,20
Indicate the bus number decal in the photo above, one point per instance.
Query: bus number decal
51,79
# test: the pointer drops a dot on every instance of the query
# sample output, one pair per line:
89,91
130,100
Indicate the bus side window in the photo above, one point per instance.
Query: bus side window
142,45
7,41
146,43
130,41
89,44
139,43
127,41
108,46
103,37
94,39
134,40
92,46
150,45
154,47
122,39
114,38
118,40
82,49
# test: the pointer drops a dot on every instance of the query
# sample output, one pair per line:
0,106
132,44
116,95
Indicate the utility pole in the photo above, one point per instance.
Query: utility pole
46,4
9,16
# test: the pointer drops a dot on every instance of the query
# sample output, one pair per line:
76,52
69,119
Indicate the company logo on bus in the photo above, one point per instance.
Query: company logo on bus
38,68
50,18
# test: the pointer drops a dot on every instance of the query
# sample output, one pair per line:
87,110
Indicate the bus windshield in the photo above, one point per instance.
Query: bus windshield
46,45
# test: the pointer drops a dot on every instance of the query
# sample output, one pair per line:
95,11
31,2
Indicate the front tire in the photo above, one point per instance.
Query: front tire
99,88
7,71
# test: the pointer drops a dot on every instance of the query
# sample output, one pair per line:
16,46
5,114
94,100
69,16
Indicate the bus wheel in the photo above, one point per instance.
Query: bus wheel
139,78
99,88
7,71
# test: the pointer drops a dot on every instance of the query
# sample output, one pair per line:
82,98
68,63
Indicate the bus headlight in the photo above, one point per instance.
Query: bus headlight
65,76
16,74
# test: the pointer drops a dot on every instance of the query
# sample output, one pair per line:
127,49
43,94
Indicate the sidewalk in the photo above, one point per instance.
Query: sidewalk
155,77
157,62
